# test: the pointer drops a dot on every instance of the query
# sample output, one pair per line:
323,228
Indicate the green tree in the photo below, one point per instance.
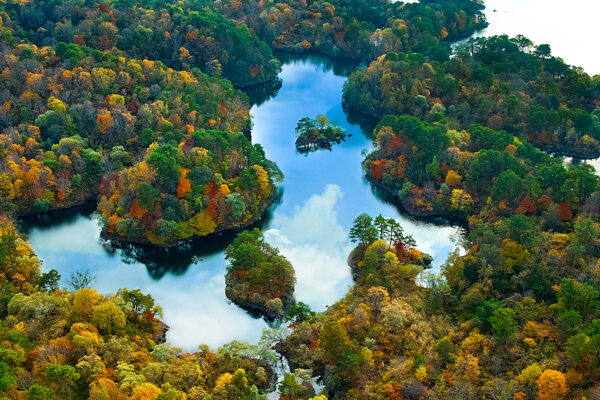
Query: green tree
40,392
49,280
362,230
510,187
7,378
63,377
504,322
381,224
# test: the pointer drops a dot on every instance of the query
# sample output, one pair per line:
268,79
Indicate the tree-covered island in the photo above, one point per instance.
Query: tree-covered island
259,279
318,133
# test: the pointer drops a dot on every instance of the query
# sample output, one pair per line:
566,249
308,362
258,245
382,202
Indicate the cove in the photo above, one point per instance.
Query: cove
569,28
322,193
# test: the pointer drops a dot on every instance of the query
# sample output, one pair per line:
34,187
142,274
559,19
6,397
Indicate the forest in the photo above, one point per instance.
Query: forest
500,82
137,107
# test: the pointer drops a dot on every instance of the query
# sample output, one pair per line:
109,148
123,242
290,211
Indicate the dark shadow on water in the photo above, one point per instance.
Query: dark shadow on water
339,66
158,261
367,123
177,260
259,94
52,219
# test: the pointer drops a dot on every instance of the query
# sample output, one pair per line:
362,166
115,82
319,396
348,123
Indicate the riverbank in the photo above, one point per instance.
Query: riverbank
442,218
323,193
113,238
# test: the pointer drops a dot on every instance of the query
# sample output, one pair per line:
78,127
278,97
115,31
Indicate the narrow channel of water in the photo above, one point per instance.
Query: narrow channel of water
322,193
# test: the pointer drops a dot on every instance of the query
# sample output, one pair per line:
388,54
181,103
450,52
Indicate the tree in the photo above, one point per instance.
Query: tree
147,196
504,322
299,312
49,280
63,377
40,392
552,385
381,224
81,279
237,204
410,242
322,121
508,186
109,318
395,232
362,230
141,302
433,168
453,179
7,378
294,387
105,389
165,161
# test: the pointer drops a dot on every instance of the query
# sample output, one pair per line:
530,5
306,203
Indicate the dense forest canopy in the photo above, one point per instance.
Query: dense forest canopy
258,277
180,34
358,29
503,83
133,104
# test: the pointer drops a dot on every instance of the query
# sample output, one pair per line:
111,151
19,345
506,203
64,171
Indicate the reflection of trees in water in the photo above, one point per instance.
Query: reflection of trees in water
367,123
259,94
157,260
52,219
176,260
339,66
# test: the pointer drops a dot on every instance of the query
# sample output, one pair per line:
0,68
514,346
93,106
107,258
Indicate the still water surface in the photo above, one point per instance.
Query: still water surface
569,27
322,193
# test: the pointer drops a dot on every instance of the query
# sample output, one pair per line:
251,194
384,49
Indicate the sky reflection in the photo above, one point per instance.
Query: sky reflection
322,194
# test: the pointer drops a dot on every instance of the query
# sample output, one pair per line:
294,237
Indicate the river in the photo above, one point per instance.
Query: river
322,193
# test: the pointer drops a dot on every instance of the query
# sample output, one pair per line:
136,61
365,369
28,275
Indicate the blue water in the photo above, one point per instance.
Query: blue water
322,193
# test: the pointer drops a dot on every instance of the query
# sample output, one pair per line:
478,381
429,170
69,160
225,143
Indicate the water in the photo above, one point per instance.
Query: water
322,193
570,28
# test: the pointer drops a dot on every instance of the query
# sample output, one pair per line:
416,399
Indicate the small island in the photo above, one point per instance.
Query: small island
318,133
259,279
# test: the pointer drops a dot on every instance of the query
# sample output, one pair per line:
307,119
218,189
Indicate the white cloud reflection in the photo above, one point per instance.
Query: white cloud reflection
317,246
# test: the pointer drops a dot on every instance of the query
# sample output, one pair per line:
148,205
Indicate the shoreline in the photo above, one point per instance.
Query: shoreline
438,218
119,241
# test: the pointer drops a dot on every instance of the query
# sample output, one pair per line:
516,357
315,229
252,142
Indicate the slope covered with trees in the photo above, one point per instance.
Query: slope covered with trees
358,29
258,278
74,115
57,344
438,170
183,35
500,82
77,122
212,181
485,331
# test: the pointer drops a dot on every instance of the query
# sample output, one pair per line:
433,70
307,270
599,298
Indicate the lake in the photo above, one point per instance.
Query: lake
322,193
570,28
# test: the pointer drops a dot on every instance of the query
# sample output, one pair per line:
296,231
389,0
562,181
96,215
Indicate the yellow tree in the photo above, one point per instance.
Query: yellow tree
552,385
